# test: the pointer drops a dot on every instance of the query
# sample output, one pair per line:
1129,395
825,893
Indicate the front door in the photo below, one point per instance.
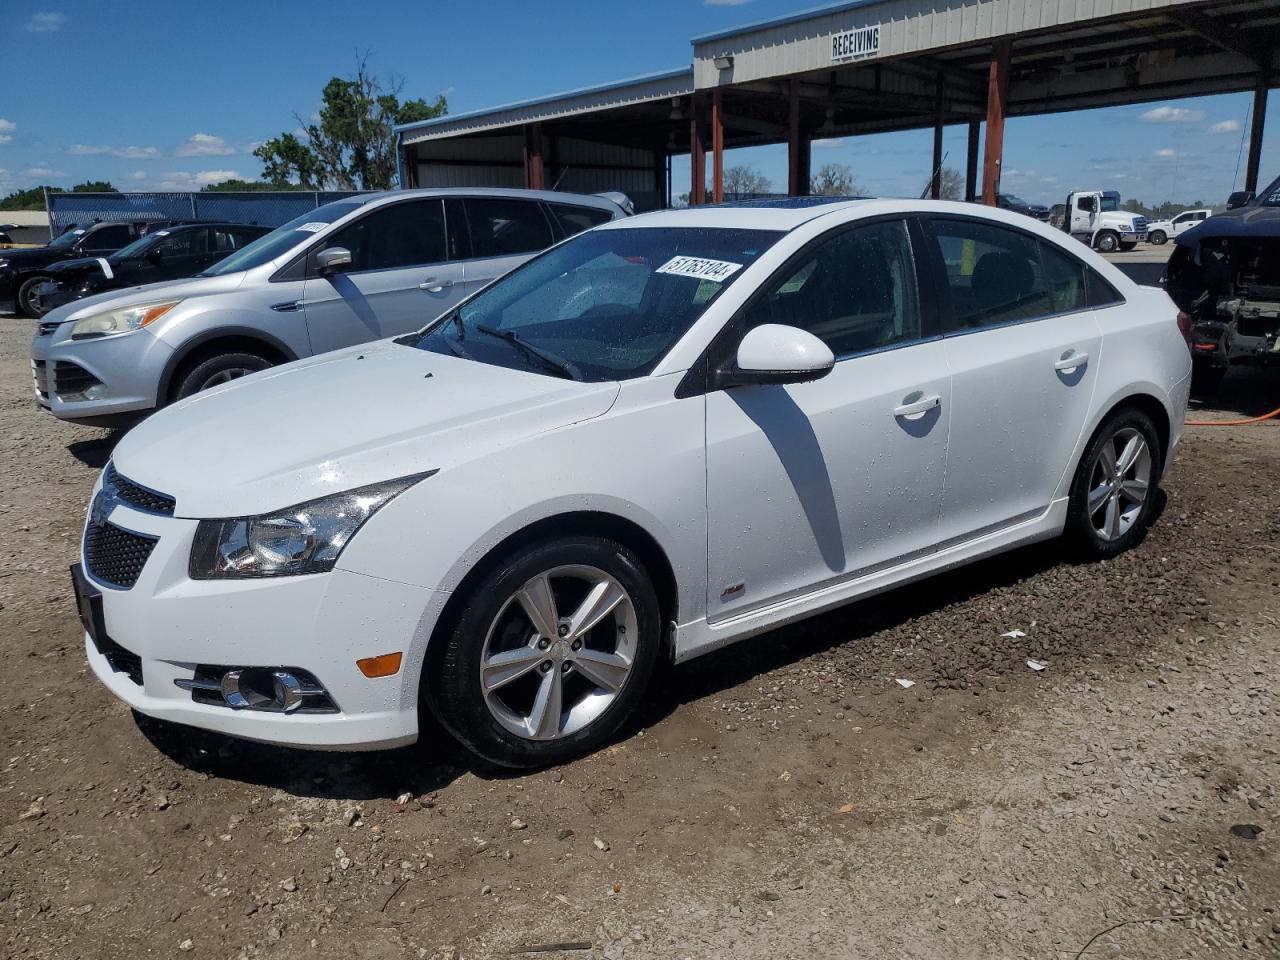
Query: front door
1022,346
815,483
399,279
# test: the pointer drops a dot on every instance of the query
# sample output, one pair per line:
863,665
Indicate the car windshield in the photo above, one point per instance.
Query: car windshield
606,305
283,238
66,240
1109,204
1270,197
138,247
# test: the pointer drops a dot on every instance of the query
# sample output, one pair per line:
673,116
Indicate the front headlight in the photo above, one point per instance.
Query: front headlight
307,538
121,320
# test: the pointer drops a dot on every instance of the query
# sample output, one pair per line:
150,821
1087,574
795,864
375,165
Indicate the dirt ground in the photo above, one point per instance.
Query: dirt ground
786,798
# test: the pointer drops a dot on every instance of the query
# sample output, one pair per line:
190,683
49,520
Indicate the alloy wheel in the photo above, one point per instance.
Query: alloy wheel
226,376
1119,483
559,652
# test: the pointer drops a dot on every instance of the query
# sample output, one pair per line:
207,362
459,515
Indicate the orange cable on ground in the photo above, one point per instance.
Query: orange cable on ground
1232,423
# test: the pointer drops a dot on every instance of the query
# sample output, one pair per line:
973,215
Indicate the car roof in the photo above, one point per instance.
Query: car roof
747,215
551,196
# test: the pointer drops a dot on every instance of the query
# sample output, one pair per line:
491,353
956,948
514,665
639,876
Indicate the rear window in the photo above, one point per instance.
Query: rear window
574,219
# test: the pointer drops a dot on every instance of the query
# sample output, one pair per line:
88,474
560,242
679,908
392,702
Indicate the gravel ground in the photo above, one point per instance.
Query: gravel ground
786,798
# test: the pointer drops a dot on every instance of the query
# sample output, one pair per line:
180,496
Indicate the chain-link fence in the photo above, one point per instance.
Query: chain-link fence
269,209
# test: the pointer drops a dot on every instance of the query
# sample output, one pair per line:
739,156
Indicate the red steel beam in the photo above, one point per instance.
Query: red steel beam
533,172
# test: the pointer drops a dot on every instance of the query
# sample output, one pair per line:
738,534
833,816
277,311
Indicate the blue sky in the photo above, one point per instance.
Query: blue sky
165,95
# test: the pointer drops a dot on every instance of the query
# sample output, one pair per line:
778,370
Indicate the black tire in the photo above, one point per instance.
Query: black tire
1158,237
1206,377
1107,242
452,675
215,370
1080,527
26,292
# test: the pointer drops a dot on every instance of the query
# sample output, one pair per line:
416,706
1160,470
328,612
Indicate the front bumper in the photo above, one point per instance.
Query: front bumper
122,374
321,623
1132,236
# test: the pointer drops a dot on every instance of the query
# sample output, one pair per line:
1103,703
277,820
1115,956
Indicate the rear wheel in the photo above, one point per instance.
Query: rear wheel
1158,237
1107,242
1114,488
29,298
217,370
551,653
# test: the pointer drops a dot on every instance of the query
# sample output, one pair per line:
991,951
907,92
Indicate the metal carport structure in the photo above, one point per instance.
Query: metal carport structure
864,66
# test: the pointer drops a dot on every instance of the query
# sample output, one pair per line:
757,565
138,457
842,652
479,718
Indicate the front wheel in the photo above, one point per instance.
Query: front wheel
1114,488
1107,242
1158,237
217,370
29,298
551,653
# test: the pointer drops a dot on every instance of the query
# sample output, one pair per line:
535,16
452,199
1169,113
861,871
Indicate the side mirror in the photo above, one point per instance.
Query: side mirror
333,260
773,353
1241,198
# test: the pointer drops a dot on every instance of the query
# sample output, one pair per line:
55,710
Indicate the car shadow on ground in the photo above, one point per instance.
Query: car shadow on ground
1247,391
96,452
436,760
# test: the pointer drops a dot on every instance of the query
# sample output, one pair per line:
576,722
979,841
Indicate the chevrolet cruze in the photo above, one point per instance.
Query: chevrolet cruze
656,438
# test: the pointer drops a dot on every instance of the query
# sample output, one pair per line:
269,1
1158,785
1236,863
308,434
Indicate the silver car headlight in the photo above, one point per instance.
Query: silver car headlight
307,538
120,320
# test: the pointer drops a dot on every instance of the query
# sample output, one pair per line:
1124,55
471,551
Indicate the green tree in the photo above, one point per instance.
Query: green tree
32,199
350,146
248,186
834,180
94,186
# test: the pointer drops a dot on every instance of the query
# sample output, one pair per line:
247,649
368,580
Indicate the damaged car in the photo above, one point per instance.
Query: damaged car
1225,274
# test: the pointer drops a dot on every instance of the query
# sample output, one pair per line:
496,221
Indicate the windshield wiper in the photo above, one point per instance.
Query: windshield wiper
549,359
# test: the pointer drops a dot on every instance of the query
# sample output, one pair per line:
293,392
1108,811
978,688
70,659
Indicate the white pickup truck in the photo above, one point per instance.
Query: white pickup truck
1162,231
1094,217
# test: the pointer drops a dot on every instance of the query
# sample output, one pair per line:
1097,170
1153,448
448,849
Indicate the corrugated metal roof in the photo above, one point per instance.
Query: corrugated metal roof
617,85
783,21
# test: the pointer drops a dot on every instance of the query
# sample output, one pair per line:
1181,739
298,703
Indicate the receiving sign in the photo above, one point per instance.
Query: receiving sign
855,44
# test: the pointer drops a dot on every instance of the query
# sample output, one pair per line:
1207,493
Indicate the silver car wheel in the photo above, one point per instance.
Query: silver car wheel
559,652
1119,483
226,376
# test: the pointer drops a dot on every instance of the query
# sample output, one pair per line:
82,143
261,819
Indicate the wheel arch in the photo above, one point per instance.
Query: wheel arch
221,340
1145,401
597,523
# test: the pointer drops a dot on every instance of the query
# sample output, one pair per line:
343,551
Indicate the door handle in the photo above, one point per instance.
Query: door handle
432,285
917,408
289,306
1071,362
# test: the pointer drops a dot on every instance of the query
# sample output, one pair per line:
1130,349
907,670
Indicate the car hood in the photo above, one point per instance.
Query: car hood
339,421
164,290
64,268
1240,222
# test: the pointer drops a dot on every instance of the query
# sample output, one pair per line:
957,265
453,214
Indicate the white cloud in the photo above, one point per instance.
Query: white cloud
828,143
6,130
1165,153
186,180
34,172
204,145
1226,126
128,153
1172,115
45,22
138,175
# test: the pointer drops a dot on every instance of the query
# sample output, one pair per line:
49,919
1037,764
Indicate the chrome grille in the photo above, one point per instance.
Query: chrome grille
113,555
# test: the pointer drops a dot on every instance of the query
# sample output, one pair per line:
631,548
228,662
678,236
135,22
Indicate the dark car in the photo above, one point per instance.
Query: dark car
171,253
23,270
1008,201
1225,273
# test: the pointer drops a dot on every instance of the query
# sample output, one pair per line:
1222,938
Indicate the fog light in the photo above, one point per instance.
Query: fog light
270,689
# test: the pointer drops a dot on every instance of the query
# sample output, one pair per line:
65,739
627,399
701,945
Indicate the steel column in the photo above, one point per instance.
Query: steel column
971,166
797,146
1257,128
533,173
697,156
717,146
997,105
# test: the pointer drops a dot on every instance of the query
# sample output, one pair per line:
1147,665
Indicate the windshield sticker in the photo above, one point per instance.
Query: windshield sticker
312,227
106,268
700,268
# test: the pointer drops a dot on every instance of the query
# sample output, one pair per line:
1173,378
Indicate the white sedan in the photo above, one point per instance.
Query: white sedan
661,436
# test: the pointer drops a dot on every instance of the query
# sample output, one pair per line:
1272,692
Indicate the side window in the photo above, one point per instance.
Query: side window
185,244
398,235
503,227
574,219
109,238
1098,291
855,290
1064,276
226,239
994,274
1182,218
1201,216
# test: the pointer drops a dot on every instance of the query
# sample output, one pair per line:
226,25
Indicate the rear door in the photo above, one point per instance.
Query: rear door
182,253
504,232
400,277
1022,346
